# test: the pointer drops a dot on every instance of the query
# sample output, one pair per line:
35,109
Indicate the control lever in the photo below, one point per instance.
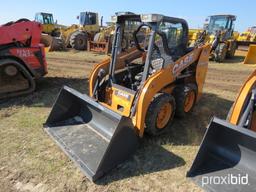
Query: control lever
129,71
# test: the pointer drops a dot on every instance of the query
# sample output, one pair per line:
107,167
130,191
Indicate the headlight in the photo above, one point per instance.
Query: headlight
114,19
151,17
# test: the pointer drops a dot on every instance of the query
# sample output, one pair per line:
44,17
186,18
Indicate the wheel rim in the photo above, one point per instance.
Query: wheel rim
189,101
164,115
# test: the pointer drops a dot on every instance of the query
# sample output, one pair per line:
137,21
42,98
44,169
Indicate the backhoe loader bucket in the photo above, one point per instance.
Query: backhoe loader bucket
251,55
94,137
226,159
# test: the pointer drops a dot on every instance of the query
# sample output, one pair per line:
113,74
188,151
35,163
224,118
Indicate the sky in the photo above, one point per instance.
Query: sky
195,12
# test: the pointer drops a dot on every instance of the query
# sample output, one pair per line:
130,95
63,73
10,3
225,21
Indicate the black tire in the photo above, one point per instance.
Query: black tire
152,113
56,33
57,44
22,20
180,93
232,50
221,52
8,24
78,40
18,21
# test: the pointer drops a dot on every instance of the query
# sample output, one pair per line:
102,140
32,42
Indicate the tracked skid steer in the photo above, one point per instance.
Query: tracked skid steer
227,155
22,58
141,87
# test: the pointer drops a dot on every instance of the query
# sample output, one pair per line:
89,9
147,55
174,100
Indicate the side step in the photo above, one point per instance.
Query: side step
94,137
226,159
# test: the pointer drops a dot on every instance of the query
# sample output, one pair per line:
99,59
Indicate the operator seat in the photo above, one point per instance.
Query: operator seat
156,66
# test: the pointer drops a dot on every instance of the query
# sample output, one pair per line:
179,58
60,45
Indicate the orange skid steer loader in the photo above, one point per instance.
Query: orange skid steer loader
226,158
138,89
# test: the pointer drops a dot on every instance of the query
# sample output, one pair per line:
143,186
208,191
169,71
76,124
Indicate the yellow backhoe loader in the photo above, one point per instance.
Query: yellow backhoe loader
194,35
77,36
48,23
248,37
139,89
247,45
103,40
227,155
50,33
219,31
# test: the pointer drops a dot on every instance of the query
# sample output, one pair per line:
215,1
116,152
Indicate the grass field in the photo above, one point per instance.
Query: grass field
30,160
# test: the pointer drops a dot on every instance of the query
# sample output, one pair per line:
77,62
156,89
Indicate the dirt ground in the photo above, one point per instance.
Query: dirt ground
31,161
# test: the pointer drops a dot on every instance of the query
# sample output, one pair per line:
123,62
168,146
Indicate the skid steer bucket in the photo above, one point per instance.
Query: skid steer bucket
226,159
251,55
94,137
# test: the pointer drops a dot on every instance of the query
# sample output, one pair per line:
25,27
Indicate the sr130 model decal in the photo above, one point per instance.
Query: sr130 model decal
182,64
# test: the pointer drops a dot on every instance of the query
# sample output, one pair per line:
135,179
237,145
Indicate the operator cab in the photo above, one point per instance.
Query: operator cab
44,18
143,45
223,23
253,30
88,18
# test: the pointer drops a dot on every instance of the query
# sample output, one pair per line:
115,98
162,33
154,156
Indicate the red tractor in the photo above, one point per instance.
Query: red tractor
22,57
